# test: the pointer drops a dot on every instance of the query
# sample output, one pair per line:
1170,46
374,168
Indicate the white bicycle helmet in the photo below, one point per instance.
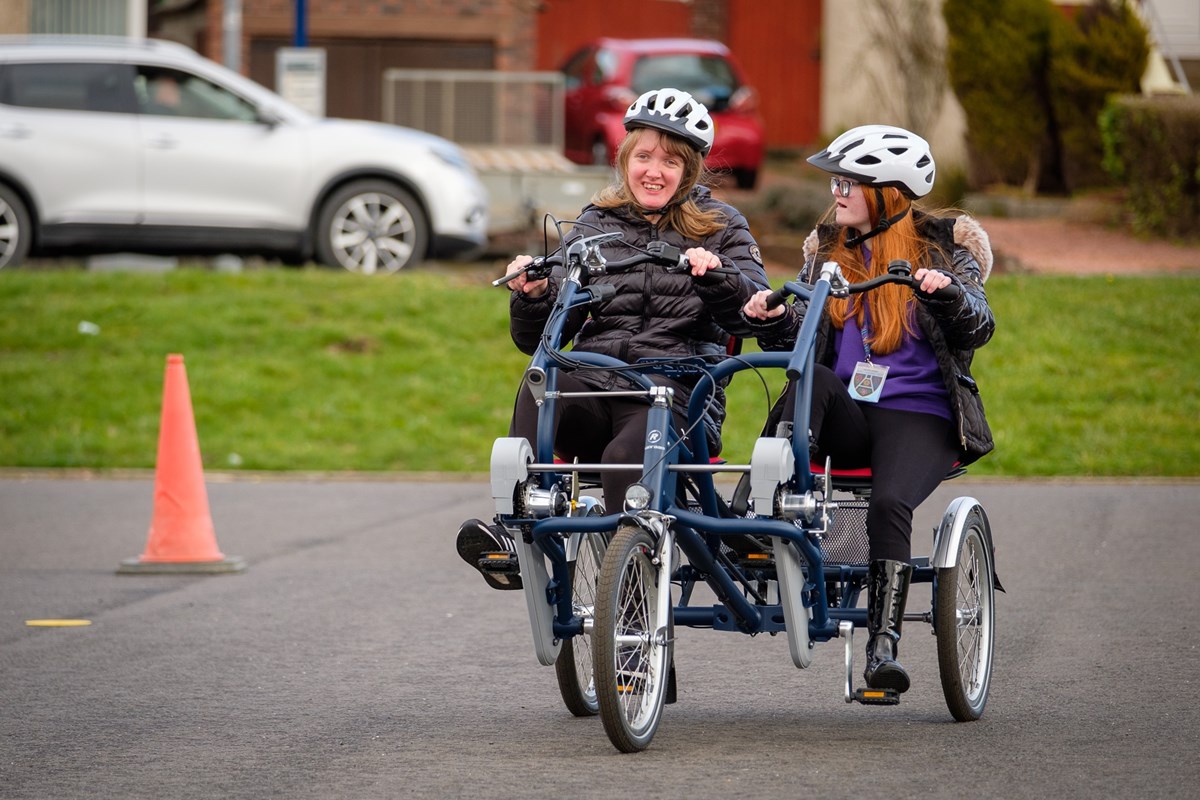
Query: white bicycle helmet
881,155
676,112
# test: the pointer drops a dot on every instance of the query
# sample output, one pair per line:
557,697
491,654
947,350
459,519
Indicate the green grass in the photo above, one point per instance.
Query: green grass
322,370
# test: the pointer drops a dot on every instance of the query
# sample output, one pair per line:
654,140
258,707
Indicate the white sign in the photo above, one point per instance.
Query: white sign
300,77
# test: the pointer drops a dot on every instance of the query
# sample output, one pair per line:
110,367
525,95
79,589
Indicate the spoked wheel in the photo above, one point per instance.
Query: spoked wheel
965,621
574,666
632,656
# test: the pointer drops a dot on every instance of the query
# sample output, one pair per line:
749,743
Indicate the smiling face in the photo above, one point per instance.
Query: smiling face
653,171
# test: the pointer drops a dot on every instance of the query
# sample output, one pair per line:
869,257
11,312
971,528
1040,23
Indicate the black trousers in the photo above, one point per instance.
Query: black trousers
595,430
909,454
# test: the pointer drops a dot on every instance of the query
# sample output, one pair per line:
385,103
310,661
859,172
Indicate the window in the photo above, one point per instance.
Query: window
68,87
172,93
709,78
576,68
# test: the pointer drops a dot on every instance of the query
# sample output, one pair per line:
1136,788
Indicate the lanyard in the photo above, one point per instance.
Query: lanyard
864,330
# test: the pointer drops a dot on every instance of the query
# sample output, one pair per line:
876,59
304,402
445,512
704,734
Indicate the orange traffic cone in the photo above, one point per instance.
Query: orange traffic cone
181,538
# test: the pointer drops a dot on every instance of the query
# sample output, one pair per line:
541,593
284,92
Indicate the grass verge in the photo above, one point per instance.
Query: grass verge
315,370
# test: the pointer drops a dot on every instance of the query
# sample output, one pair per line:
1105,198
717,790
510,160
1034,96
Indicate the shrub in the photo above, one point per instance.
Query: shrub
1103,53
1152,145
1032,84
996,56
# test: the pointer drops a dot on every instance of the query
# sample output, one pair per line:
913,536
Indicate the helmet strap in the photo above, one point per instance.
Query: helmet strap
884,224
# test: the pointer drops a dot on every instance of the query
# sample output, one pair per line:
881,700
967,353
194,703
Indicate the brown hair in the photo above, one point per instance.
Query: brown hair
682,214
891,304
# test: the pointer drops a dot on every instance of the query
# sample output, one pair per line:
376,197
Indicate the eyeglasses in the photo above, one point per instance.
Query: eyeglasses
841,186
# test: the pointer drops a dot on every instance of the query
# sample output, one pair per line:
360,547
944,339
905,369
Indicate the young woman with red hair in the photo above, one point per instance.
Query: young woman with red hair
892,385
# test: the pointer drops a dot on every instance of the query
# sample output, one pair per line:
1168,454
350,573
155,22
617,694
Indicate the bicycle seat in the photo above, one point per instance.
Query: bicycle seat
859,480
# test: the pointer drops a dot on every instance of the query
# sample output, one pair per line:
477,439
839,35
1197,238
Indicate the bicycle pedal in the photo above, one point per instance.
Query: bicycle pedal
499,561
757,560
877,697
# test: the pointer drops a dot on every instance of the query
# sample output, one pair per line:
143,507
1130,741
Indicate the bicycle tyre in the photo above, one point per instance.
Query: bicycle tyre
632,659
965,621
574,666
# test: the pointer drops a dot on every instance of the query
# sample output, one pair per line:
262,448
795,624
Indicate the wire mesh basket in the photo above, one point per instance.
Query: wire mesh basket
846,542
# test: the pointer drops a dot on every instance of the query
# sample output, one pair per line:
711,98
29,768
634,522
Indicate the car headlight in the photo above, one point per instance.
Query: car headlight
453,156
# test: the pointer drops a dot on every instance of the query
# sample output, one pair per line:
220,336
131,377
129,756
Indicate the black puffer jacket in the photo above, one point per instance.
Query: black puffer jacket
955,328
655,314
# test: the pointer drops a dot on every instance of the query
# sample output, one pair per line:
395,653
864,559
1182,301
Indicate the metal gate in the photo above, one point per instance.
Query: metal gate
478,108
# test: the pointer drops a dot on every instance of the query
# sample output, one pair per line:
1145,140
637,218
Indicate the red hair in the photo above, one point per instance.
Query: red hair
891,313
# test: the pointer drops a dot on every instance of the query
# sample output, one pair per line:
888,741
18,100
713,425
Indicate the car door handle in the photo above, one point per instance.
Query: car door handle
162,141
15,131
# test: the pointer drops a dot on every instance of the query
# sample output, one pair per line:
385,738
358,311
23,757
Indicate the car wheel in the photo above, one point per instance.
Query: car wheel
16,231
745,178
371,226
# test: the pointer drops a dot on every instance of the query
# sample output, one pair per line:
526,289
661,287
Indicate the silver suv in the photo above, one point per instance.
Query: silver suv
113,145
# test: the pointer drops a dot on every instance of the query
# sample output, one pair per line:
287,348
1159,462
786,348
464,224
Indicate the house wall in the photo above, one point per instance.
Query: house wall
860,85
363,38
14,17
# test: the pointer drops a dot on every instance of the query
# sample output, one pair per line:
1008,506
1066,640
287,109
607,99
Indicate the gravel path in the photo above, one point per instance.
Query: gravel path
1053,245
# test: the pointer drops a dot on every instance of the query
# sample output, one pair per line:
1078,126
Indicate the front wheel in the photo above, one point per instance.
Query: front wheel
371,226
965,620
632,654
574,665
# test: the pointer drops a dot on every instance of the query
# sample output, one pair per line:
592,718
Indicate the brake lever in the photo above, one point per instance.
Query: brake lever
535,270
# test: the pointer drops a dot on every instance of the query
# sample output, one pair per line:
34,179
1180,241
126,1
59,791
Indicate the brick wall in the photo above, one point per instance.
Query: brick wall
509,25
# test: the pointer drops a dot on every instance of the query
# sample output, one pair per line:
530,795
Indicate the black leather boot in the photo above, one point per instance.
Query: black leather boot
887,591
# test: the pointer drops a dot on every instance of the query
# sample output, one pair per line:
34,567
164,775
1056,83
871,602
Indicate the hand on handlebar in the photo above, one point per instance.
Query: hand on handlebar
701,261
522,282
930,280
760,307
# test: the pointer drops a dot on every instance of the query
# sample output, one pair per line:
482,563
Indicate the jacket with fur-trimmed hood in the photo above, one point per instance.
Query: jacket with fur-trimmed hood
955,328
654,313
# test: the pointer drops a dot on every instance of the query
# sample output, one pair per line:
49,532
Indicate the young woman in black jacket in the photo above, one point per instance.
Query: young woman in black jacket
658,196
892,385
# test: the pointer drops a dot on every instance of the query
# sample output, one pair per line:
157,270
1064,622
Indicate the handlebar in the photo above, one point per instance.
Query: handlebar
587,252
899,271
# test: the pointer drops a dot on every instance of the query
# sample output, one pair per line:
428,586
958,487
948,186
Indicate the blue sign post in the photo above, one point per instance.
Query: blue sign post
300,36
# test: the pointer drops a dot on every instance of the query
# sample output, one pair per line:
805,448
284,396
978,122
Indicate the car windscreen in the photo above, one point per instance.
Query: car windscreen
708,78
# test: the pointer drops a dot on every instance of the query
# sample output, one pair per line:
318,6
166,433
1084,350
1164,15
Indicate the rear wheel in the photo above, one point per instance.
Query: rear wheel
632,656
965,620
574,666
16,230
371,226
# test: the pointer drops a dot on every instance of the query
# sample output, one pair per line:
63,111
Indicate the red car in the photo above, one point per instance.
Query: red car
605,76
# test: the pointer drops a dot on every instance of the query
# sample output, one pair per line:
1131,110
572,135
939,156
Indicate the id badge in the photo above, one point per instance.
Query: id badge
866,384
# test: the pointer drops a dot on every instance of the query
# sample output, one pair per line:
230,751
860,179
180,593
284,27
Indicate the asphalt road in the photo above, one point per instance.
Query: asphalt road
357,657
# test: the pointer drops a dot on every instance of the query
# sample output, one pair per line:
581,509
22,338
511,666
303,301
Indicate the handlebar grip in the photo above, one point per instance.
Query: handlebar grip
776,299
950,292
601,291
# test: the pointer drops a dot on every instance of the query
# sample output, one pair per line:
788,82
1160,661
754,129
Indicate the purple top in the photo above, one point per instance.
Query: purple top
914,381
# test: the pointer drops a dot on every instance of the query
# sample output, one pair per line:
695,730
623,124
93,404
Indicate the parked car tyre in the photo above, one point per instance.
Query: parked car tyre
745,178
371,226
15,228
